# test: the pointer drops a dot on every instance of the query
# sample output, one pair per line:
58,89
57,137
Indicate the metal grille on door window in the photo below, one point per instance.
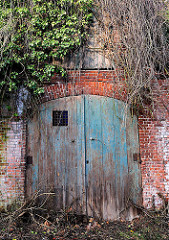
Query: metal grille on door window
60,118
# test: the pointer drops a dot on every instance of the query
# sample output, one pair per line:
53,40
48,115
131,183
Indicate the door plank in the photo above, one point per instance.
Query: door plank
107,170
133,151
94,158
114,157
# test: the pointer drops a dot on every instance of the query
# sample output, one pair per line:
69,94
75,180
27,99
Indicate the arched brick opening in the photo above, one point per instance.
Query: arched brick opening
153,130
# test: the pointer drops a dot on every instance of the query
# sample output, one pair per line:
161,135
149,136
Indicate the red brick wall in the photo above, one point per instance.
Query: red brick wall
154,136
154,149
104,83
12,162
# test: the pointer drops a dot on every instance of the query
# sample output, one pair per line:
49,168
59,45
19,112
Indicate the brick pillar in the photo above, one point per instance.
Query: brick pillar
12,162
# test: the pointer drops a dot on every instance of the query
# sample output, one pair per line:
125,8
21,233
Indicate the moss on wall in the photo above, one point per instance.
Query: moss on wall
3,144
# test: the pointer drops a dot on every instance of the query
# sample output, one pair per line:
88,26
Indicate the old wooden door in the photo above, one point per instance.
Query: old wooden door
106,156
57,150
83,152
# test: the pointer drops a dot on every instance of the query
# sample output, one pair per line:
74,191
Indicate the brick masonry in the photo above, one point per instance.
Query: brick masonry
154,139
154,149
12,162
103,83
153,133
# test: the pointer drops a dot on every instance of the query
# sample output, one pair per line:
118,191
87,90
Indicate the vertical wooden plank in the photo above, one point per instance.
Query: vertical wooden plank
74,146
94,145
54,157
114,157
28,189
32,177
106,156
133,152
110,206
43,146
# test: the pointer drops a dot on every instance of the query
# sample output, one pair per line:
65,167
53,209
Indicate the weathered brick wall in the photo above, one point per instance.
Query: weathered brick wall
102,82
12,162
154,136
154,149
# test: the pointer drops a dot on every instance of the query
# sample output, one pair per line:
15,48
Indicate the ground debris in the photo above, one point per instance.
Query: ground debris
39,223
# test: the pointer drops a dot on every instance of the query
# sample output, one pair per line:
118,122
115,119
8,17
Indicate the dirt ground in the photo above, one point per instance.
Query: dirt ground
33,223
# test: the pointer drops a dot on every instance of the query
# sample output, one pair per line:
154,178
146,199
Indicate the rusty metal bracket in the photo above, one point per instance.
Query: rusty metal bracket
29,160
137,157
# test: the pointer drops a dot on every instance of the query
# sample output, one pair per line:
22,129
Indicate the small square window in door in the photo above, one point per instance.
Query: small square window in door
60,118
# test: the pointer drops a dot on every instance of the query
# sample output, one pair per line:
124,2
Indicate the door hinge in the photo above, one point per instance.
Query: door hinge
137,157
29,160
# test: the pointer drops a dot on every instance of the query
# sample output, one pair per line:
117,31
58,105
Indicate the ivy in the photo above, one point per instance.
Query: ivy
34,35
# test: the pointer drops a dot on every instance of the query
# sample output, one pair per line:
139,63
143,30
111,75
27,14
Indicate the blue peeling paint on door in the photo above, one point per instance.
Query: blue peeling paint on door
89,163
107,165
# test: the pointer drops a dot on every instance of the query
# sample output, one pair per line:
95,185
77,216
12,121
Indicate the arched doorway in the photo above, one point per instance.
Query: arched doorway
80,148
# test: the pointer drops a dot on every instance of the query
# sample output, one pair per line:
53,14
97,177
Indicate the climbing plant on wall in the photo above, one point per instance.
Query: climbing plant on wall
34,35
135,36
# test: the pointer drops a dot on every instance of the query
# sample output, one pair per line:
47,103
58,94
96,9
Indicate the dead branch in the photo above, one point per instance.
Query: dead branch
134,33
